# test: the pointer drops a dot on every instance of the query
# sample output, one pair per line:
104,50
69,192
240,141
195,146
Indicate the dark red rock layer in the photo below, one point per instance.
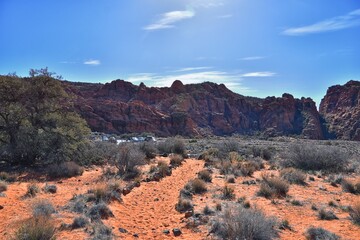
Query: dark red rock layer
340,109
190,110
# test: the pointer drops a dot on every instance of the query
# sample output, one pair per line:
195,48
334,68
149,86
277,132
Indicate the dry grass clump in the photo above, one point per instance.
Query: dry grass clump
205,175
42,208
326,215
196,186
163,169
50,188
65,170
32,190
176,160
314,233
36,229
272,187
227,193
107,192
184,205
293,175
100,211
350,186
79,222
3,186
241,224
307,157
355,213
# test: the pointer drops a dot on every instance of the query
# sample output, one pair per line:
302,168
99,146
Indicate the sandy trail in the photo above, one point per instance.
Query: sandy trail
150,208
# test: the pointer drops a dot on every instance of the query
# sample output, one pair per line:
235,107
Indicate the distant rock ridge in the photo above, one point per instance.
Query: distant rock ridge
192,110
340,109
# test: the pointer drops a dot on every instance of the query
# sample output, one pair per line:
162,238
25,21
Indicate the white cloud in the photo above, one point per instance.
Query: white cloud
92,62
226,16
259,74
231,80
189,69
252,58
349,20
169,19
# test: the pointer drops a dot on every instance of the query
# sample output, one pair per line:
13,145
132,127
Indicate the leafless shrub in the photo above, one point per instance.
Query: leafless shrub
205,175
184,205
237,223
196,186
273,187
36,228
328,159
293,175
314,233
64,169
42,208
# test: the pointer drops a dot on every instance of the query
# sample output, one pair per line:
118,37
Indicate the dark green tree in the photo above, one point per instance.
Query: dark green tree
38,123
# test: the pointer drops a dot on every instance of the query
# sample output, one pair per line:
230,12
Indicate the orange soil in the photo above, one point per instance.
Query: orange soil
150,208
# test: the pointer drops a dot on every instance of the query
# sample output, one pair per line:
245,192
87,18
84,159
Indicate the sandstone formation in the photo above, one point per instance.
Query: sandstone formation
340,109
190,110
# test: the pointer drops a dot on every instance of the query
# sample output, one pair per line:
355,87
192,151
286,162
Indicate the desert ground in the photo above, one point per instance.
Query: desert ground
169,206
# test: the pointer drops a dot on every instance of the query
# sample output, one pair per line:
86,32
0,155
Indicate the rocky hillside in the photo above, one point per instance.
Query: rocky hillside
190,110
341,110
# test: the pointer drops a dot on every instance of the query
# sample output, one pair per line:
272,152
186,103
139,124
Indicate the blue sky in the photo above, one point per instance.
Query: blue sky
255,47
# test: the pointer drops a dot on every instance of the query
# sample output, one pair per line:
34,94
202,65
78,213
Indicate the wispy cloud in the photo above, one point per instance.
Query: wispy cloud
189,69
232,80
226,16
259,74
349,20
252,58
92,62
168,20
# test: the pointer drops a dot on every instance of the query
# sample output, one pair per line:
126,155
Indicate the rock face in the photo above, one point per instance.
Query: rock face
190,110
340,109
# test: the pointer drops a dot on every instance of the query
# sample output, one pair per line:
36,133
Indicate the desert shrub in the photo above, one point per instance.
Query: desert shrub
3,186
210,155
293,175
185,194
230,179
273,187
42,208
128,158
205,175
225,147
196,186
78,203
350,187
172,145
226,168
163,169
50,188
79,222
102,232
207,210
184,205
64,170
4,176
247,169
149,149
100,211
326,215
227,193
355,213
237,223
176,160
310,157
264,153
106,193
285,225
314,233
296,202
32,190
36,229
